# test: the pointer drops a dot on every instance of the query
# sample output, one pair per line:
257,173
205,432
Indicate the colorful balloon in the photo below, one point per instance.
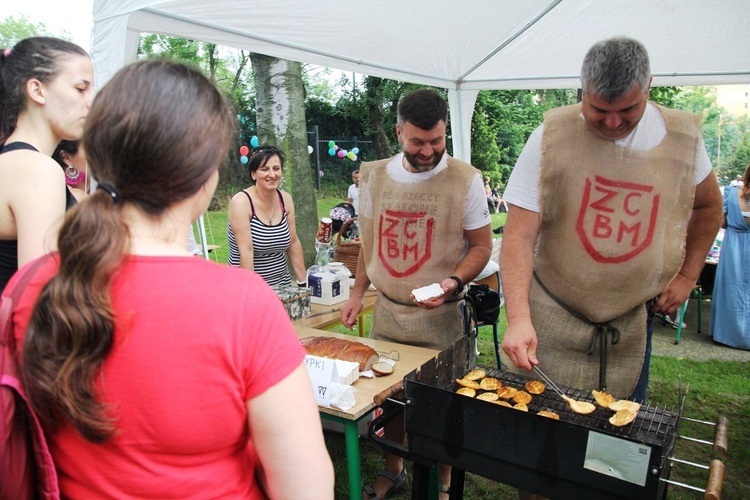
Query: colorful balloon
341,153
351,155
354,158
309,149
254,141
243,159
355,151
332,152
331,144
244,150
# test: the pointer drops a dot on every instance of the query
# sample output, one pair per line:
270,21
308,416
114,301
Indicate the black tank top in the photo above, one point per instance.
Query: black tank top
9,248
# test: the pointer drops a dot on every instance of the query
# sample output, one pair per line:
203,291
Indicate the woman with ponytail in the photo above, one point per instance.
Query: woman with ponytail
149,386
46,89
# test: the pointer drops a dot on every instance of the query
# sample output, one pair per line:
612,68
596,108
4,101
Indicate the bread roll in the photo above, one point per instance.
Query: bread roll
346,350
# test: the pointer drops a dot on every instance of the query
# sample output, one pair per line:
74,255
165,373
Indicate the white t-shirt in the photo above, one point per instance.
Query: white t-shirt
353,194
736,183
523,185
475,204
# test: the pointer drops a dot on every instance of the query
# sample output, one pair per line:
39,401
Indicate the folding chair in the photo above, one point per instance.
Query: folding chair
493,281
697,293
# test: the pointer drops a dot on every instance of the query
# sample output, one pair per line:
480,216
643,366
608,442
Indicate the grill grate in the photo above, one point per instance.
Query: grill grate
653,426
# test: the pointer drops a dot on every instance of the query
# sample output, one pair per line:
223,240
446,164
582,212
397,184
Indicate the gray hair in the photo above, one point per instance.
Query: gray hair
612,67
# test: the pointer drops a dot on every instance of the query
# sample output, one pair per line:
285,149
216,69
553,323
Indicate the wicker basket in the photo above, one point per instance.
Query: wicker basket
346,251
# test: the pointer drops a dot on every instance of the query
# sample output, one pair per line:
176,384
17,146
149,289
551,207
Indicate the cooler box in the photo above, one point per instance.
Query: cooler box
296,300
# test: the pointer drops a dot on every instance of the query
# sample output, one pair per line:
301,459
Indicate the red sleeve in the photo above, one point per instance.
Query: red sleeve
271,340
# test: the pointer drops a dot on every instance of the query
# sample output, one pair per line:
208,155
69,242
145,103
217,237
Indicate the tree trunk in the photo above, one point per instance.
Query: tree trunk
374,99
280,117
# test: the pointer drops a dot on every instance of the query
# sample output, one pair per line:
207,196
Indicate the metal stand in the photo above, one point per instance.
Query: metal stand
202,235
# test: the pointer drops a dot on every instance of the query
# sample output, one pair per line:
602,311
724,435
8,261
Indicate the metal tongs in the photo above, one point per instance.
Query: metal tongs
582,407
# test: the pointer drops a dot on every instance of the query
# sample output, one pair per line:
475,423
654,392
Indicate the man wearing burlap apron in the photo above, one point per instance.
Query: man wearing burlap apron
625,211
423,219
414,238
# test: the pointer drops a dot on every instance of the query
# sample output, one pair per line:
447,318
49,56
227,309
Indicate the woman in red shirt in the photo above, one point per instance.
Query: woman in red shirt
160,375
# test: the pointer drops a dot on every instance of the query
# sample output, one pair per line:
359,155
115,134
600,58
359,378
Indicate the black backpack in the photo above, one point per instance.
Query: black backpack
486,303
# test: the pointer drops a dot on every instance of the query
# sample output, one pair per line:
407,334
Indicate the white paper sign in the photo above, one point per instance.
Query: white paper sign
322,372
618,458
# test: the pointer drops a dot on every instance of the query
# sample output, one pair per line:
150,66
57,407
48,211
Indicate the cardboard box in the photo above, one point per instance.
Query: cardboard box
296,300
328,287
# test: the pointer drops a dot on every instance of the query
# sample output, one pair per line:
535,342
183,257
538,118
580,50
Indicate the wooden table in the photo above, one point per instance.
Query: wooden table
409,358
325,316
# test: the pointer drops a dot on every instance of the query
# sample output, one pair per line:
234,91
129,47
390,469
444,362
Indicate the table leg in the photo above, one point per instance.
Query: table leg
352,459
361,321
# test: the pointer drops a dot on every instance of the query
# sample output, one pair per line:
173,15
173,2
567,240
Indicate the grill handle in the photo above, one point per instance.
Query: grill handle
391,410
391,392
715,479
720,436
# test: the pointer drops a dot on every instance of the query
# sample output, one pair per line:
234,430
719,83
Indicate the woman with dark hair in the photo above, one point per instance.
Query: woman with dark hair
46,89
148,386
260,228
730,301
70,156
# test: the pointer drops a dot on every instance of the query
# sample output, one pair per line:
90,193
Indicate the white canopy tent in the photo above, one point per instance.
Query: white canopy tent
462,46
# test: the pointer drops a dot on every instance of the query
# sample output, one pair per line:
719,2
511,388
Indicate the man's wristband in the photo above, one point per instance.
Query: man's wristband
460,284
302,284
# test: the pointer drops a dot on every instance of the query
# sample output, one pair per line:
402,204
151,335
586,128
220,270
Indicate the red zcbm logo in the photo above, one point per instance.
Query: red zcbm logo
405,241
617,219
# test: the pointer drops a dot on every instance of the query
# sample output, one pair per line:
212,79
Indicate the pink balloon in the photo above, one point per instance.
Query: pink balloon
244,150
341,153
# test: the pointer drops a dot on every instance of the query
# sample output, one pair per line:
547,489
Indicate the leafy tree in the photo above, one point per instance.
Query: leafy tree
740,158
666,96
13,30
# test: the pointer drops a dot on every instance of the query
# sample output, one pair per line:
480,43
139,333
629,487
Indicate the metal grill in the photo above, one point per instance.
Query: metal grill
654,426
578,456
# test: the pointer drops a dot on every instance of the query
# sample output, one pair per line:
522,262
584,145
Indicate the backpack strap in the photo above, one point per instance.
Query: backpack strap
44,481
6,305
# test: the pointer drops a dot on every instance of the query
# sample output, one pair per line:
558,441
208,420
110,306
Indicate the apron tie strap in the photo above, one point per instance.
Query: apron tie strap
601,331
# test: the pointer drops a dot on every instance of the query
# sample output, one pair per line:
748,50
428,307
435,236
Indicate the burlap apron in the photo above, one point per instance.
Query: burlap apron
412,236
614,222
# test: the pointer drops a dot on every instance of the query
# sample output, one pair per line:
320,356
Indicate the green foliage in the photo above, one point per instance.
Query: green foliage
503,121
740,160
666,96
13,30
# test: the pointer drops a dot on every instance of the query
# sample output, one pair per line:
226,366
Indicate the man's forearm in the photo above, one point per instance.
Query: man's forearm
362,281
703,225
472,264
702,229
516,263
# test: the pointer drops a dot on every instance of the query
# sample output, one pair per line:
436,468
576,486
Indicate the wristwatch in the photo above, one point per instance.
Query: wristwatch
460,284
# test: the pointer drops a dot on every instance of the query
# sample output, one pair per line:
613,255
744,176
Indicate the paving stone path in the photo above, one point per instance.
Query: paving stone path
693,345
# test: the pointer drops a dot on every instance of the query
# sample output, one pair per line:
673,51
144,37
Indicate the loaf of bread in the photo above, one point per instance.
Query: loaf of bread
346,350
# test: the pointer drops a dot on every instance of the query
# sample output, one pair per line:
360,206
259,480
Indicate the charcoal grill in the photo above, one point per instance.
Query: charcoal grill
578,456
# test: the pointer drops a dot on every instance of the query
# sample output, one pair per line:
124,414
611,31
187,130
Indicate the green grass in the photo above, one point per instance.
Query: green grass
716,388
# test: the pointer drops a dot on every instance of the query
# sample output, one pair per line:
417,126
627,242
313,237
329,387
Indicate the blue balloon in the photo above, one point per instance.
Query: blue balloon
254,141
243,159
332,152
355,151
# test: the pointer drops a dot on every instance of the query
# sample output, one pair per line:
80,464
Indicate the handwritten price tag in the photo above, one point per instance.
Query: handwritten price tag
321,372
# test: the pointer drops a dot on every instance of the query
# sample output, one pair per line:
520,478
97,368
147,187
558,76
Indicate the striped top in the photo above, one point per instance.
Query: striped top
270,244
